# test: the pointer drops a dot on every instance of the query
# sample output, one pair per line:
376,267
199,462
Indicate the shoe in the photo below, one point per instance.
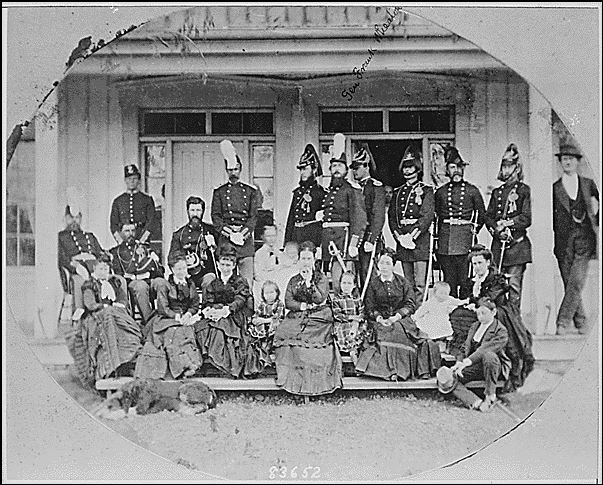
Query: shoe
487,404
562,330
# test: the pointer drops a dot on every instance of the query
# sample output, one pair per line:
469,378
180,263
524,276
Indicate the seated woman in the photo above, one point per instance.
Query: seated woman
228,305
482,357
307,362
269,314
348,312
395,348
488,282
170,341
106,338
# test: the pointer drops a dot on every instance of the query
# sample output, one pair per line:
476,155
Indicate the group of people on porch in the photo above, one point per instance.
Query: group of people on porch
334,287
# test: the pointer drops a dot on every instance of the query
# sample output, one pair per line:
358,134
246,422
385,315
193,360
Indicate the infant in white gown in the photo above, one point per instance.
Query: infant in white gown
433,316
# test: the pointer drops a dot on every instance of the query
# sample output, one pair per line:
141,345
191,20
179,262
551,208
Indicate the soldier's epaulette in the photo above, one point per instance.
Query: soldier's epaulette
354,184
377,183
254,187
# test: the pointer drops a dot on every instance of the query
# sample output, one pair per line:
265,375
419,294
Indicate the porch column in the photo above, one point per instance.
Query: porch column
47,296
543,289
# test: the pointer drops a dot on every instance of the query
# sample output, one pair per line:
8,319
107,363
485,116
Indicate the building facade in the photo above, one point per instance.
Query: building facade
273,79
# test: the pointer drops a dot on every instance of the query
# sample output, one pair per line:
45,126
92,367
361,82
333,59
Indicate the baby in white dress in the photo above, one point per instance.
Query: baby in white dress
433,316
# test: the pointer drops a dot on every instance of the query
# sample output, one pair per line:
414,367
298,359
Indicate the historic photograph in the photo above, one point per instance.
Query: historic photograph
288,242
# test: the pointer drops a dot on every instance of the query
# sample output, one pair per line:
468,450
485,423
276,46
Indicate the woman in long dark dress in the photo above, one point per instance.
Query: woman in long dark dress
488,282
170,343
106,338
307,362
395,348
228,306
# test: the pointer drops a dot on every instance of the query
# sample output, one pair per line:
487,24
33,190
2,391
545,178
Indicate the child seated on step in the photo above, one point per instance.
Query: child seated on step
348,313
270,311
433,316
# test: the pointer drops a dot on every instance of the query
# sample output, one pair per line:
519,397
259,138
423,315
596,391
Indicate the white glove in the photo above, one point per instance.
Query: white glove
209,239
320,215
406,241
82,271
154,256
353,251
368,247
237,238
225,312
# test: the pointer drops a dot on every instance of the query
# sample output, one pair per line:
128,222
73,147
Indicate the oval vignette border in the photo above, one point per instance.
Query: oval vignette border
448,24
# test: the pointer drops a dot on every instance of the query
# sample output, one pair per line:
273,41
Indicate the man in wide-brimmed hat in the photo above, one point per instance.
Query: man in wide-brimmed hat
374,201
307,201
132,207
411,212
460,209
575,222
508,217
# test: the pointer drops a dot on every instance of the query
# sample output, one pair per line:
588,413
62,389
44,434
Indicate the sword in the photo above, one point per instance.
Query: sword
502,255
430,264
334,251
474,237
369,272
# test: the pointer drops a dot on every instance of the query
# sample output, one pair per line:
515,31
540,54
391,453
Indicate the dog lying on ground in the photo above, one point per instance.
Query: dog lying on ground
148,396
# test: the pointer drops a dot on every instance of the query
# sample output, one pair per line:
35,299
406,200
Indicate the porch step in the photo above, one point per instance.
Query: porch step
557,347
269,384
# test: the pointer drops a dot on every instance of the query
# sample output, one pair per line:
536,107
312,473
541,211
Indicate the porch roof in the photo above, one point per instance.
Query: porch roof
285,41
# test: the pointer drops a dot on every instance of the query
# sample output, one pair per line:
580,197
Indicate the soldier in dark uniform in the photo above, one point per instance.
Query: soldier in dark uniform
460,209
77,250
140,268
132,207
343,215
374,202
410,215
307,201
234,212
197,241
508,216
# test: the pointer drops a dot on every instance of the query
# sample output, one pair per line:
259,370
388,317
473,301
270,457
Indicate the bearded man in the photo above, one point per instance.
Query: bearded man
197,241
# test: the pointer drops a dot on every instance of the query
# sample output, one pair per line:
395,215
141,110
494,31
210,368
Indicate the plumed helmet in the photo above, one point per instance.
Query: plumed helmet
231,159
338,149
412,158
75,201
363,156
511,157
452,155
310,157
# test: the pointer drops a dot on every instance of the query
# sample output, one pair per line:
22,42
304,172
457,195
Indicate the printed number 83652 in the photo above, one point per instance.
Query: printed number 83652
295,472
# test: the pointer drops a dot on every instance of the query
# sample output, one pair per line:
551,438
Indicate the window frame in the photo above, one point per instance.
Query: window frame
19,236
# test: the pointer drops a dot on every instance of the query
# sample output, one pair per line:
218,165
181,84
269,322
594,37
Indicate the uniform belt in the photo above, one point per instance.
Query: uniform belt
335,224
407,222
304,223
457,222
142,276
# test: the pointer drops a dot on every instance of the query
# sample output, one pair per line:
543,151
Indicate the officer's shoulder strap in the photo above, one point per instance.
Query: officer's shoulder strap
354,184
249,185
423,184
376,183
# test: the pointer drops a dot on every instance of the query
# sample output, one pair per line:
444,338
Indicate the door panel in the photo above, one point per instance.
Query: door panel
198,168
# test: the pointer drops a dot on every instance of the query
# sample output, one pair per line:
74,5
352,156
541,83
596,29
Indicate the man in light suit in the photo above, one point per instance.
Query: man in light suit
575,222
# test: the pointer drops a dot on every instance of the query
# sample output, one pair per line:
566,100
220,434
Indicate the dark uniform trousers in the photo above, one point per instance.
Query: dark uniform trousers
343,205
511,202
457,206
374,201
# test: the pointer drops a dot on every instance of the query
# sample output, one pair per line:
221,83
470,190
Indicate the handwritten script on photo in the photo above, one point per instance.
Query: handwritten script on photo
378,34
